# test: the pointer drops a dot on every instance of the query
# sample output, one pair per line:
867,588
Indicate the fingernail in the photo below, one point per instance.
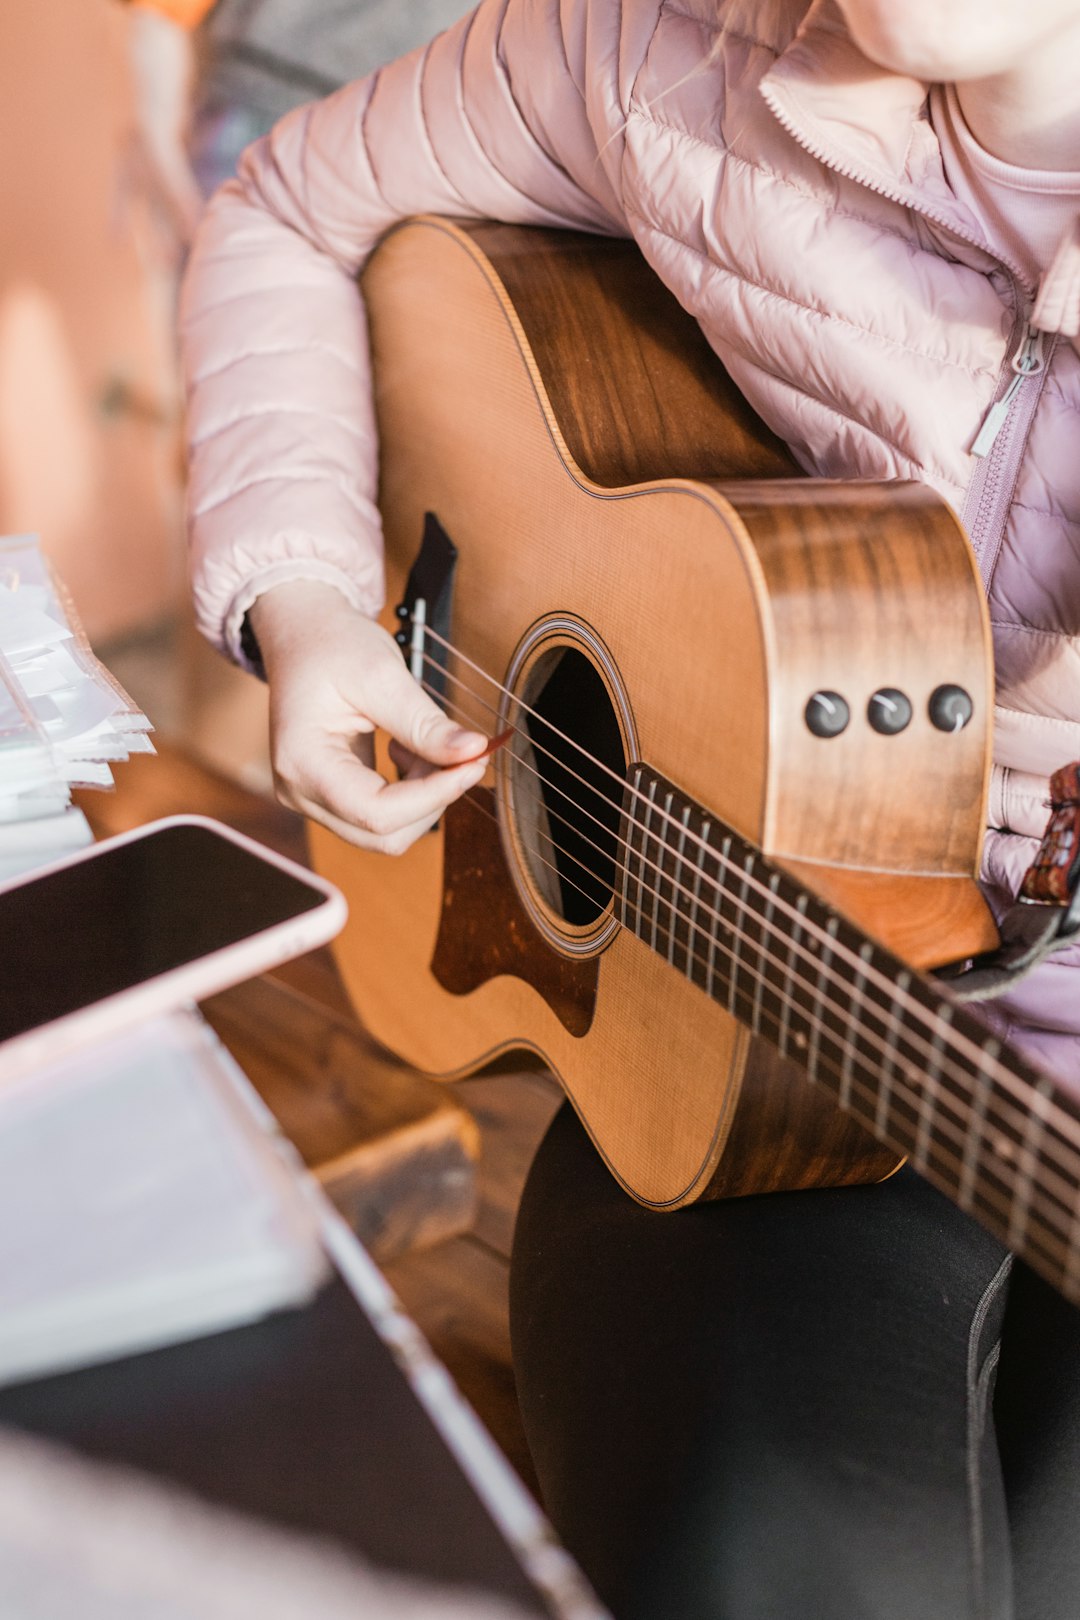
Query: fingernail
459,738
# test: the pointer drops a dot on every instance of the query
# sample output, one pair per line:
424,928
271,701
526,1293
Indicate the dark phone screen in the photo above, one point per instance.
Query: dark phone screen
116,919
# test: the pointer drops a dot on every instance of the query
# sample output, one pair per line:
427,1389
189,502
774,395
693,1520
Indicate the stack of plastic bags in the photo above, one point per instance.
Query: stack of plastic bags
64,720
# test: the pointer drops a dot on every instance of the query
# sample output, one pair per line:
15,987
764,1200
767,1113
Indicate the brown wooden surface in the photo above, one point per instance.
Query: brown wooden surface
643,396
396,1156
811,1143
697,594
871,586
914,916
512,1111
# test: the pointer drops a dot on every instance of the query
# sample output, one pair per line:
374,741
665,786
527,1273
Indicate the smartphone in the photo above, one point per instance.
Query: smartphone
142,923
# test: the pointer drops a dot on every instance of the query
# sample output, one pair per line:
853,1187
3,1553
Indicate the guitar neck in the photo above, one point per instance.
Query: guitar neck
914,1066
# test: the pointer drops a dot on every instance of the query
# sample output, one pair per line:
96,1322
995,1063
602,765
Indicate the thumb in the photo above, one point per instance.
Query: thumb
411,718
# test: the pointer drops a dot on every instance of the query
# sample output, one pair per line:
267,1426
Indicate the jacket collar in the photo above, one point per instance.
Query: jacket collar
872,125
856,117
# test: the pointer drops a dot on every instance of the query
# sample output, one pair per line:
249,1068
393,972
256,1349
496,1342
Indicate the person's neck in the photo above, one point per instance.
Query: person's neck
1030,116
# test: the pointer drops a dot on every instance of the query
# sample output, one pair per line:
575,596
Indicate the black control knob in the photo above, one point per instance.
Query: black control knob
827,714
889,711
950,708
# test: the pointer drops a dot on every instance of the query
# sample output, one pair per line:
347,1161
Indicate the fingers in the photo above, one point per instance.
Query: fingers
353,800
335,678
397,705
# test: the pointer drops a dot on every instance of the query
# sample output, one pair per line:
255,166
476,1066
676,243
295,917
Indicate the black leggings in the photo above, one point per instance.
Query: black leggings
784,1408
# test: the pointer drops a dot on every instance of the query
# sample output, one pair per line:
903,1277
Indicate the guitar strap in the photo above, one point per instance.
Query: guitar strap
1046,914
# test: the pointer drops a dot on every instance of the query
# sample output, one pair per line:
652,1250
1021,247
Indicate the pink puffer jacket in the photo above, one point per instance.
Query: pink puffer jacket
789,192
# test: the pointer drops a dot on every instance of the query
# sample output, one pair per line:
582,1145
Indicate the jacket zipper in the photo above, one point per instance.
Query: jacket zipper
989,495
1028,361
1000,444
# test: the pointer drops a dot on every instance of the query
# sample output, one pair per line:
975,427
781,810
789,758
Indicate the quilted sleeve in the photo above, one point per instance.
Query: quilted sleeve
489,121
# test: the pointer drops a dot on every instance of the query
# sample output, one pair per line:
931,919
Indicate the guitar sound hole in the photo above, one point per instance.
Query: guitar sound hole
568,772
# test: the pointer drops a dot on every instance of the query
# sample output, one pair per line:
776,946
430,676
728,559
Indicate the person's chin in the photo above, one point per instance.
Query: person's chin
937,41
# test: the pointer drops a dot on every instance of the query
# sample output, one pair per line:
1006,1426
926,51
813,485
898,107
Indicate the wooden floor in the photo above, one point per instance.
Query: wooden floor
457,1290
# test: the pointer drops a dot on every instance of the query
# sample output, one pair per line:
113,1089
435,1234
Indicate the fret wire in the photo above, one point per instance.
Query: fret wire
929,1089
710,983
788,1000
822,965
652,863
745,885
772,970
642,891
736,958
626,864
644,879
679,858
857,992
752,1006
695,900
778,1004
661,848
769,1021
888,1061
970,1042
759,988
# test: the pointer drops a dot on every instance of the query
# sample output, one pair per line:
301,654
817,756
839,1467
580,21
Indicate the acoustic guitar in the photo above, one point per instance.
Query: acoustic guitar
738,811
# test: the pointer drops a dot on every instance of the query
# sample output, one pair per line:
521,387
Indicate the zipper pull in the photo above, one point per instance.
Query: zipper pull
1028,361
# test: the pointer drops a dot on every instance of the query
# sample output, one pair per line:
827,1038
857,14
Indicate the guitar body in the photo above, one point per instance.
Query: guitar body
638,559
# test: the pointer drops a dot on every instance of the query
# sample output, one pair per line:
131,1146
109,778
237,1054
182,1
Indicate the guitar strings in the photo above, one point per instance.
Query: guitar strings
1027,1149
872,1038
702,908
864,971
886,1048
946,1162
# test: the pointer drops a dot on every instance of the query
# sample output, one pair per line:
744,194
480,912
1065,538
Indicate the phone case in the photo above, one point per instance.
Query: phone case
216,970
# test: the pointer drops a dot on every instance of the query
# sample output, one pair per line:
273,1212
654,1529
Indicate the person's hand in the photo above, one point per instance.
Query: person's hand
335,676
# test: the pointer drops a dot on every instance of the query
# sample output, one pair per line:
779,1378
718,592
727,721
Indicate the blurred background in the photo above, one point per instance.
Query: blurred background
115,119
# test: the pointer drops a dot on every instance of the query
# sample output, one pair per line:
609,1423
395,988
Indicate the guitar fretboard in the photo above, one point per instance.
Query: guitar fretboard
918,1069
